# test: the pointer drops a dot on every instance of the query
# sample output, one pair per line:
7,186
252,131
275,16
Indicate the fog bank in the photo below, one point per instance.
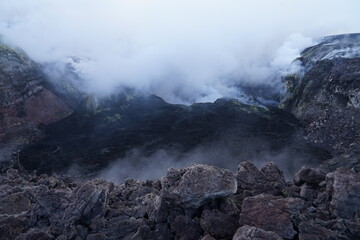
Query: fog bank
184,51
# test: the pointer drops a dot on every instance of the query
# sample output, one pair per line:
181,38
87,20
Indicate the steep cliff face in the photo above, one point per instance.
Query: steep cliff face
25,100
325,97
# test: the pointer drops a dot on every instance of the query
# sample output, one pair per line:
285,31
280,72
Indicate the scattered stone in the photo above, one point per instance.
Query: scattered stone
253,233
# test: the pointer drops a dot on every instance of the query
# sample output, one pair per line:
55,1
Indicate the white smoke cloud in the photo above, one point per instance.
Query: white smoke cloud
182,50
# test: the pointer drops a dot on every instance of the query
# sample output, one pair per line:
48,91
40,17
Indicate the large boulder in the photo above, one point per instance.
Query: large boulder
343,186
195,185
271,213
312,176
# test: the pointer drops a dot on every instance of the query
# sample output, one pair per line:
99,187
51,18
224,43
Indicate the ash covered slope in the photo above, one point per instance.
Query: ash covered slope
93,137
326,97
198,202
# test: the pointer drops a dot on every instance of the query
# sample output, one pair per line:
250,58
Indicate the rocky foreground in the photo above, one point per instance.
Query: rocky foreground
198,202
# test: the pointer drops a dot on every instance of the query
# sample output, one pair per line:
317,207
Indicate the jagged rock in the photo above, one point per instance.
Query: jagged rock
97,236
12,173
122,227
13,226
291,191
343,185
218,224
253,233
15,203
269,179
64,208
308,192
186,228
35,234
207,237
197,184
264,210
91,202
309,175
144,233
312,231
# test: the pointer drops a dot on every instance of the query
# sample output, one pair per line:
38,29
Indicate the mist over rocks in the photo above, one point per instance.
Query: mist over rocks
61,207
151,46
60,120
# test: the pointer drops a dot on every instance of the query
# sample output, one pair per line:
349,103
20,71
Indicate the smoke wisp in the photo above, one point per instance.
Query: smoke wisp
184,51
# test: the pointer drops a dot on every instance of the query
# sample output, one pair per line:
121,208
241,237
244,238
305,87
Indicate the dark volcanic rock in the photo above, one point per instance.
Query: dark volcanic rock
271,213
313,231
309,175
326,97
197,184
252,181
186,228
343,186
180,206
213,222
253,233
91,139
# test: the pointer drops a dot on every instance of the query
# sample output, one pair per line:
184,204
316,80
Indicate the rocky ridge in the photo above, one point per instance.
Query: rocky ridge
325,97
198,202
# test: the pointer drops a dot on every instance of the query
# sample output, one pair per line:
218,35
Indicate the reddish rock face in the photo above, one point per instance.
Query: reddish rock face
25,101
271,213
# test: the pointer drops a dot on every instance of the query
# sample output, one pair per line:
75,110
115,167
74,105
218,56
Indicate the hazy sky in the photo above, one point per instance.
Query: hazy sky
184,50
